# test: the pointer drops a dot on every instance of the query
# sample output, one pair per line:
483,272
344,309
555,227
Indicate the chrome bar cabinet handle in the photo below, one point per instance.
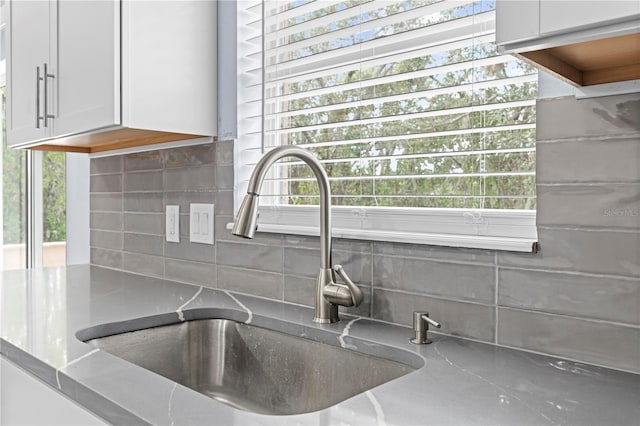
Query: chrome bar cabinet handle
38,79
47,116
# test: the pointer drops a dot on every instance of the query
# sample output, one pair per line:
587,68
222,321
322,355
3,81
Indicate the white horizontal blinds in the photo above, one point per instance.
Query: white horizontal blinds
248,146
406,103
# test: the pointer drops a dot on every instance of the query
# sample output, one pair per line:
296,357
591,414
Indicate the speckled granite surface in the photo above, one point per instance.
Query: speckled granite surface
46,311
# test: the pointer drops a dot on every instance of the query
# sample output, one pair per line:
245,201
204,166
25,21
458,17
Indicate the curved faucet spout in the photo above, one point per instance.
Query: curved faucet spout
328,293
245,225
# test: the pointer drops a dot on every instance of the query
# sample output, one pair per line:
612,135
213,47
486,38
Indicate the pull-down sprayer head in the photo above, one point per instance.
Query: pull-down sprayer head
246,223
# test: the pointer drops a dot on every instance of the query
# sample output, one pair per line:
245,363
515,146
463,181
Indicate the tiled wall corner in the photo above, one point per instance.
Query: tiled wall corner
127,204
583,285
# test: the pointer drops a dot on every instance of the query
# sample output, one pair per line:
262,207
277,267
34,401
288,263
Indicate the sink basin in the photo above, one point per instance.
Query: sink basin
252,368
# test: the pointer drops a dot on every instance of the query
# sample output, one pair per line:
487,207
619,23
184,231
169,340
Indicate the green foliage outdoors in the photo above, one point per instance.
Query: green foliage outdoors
418,189
14,165
14,173
54,197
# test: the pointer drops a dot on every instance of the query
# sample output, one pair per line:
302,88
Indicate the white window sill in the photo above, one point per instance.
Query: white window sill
480,229
464,241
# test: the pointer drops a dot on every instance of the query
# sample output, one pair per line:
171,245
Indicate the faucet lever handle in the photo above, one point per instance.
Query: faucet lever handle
356,294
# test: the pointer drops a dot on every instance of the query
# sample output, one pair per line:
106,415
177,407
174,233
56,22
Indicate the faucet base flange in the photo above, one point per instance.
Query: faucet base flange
326,320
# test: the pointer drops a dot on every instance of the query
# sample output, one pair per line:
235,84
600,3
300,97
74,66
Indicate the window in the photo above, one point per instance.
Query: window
33,199
426,132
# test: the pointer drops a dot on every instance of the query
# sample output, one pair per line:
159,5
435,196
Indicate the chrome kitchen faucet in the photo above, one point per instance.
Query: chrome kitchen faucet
329,294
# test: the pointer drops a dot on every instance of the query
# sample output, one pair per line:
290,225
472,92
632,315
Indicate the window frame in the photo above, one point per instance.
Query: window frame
510,230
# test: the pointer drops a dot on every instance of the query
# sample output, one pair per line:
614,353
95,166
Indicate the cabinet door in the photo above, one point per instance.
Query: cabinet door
565,15
28,48
88,72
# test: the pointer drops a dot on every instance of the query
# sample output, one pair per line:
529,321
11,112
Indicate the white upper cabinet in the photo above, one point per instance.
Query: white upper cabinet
29,52
563,15
88,71
120,73
584,42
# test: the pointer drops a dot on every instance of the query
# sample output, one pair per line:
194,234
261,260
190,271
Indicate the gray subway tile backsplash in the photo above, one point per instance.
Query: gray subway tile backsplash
258,283
106,221
592,206
150,202
306,263
250,256
106,239
224,153
107,258
568,118
143,181
556,161
106,165
457,318
571,294
450,280
598,252
186,250
145,244
106,183
150,160
589,341
183,199
143,264
224,203
196,155
105,202
144,223
224,177
190,179
577,297
434,253
200,273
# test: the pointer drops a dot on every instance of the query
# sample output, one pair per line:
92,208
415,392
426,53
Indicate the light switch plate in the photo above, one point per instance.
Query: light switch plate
201,223
172,224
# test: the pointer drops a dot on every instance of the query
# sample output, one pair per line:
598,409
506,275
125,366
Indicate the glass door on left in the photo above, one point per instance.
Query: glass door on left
33,198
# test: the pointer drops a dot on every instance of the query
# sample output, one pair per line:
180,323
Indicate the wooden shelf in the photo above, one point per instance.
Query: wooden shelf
592,62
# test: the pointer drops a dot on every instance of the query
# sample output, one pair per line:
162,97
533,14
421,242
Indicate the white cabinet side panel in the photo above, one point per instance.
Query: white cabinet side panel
25,400
169,66
517,20
566,15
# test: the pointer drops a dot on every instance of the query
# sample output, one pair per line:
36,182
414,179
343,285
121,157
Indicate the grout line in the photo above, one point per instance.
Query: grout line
373,270
495,301
282,263
444,261
252,270
585,229
431,296
586,183
587,139
572,317
573,273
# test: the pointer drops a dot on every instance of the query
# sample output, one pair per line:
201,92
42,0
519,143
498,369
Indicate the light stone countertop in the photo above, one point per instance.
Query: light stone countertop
458,382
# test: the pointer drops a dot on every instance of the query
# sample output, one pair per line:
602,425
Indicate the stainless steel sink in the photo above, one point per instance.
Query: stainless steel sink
252,368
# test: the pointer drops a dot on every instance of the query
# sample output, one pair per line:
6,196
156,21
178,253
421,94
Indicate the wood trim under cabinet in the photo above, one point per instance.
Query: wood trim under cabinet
593,62
110,140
